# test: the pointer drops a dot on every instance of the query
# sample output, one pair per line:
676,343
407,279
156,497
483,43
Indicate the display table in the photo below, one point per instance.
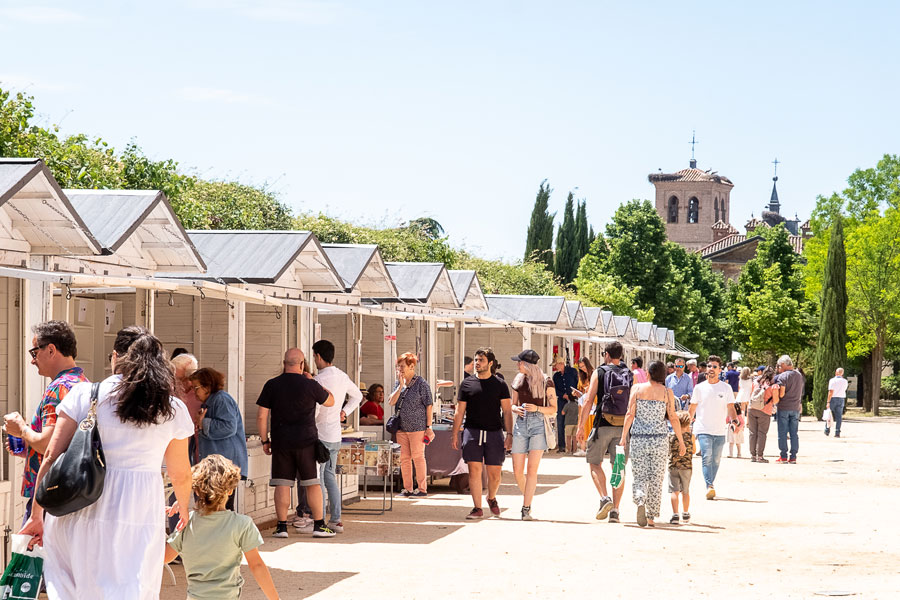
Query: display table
359,456
441,458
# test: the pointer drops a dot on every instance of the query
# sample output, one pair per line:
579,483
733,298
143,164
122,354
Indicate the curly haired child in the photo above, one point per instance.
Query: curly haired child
214,538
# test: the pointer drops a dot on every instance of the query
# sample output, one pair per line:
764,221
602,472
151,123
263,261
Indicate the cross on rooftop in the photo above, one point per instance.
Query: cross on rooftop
775,162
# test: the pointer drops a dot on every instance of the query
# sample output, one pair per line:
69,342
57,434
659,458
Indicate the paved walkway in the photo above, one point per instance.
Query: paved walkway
827,524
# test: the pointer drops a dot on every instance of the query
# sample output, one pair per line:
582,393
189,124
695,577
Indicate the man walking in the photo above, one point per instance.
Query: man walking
607,429
53,352
565,379
712,405
328,424
681,384
485,403
791,385
733,378
291,398
468,367
837,398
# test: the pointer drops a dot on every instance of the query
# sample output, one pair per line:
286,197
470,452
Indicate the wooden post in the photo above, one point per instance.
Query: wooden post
236,351
431,354
390,357
526,338
196,312
459,343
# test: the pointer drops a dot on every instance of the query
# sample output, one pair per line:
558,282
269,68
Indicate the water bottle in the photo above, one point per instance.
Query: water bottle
16,445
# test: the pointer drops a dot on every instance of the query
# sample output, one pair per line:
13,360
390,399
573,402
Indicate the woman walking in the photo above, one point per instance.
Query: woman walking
533,397
649,406
415,405
745,389
759,413
114,548
585,371
220,429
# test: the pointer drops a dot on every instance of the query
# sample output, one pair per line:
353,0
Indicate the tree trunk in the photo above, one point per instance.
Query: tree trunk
864,393
877,367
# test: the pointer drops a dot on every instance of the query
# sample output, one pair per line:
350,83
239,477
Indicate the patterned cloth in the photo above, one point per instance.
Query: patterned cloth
681,462
416,399
45,416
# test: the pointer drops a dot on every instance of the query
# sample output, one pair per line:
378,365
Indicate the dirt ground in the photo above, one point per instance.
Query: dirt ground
823,527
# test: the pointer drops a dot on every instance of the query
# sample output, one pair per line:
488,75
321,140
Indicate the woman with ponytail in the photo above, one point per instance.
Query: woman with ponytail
114,548
533,396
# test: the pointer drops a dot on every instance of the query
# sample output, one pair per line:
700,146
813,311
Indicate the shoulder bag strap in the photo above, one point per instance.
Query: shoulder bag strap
91,419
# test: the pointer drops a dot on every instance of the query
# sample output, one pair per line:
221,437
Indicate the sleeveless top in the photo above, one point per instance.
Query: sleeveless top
649,418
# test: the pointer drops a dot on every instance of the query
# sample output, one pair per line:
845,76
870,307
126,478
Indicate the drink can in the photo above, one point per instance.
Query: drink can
16,445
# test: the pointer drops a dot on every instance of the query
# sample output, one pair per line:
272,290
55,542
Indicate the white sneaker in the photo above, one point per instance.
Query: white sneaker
336,526
580,453
306,527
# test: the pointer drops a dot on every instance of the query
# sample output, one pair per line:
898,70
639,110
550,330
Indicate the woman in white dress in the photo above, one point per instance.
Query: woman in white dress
114,548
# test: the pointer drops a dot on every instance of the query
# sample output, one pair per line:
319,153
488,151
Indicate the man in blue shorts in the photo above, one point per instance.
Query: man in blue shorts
485,403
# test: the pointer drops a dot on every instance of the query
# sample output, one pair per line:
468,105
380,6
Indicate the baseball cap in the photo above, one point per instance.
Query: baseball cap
760,368
529,356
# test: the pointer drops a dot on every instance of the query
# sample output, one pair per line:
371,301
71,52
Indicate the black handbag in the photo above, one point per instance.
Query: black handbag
323,454
393,424
75,480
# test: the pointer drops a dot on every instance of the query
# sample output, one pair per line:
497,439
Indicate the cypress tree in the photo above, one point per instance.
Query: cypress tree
591,237
582,237
831,349
539,242
566,250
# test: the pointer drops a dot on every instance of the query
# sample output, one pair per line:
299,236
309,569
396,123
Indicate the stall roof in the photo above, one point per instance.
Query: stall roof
138,224
468,290
643,330
608,324
661,335
361,268
540,310
36,216
281,258
576,314
623,325
421,283
592,318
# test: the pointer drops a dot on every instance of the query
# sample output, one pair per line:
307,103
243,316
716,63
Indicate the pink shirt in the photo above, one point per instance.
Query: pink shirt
640,376
188,397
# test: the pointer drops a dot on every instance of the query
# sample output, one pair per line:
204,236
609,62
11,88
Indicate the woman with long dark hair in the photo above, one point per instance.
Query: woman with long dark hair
650,405
114,548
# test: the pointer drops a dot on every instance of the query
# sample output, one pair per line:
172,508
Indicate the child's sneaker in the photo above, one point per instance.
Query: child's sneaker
686,518
281,531
614,515
307,527
323,531
674,519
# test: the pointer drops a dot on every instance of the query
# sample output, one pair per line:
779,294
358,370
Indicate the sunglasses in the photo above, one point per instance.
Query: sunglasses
679,366
34,351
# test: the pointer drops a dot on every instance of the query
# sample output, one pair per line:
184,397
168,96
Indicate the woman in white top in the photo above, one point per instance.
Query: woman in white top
114,548
745,388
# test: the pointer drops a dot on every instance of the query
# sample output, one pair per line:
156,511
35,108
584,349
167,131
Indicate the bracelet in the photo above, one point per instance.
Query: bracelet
267,442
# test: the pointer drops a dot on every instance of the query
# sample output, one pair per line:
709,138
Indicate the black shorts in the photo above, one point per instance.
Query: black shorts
294,465
483,446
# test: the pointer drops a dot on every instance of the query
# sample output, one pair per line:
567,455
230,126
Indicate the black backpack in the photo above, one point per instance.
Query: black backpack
617,381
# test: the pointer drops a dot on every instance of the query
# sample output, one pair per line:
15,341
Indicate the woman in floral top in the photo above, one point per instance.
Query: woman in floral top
413,395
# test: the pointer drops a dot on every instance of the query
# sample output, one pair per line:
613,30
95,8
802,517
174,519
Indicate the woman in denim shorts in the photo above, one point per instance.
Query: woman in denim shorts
533,396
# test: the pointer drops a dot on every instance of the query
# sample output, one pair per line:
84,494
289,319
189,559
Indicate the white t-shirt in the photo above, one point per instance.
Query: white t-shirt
839,386
328,418
712,400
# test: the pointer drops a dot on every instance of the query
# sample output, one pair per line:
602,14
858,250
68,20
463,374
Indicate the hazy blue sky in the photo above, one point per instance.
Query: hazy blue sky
385,111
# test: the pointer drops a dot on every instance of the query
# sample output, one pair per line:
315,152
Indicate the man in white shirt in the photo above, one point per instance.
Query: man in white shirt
837,398
712,407
328,422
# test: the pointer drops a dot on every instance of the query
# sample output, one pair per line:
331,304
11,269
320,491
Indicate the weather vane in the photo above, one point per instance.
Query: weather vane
775,162
693,142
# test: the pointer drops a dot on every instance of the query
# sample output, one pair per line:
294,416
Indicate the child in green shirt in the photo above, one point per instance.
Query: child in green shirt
213,540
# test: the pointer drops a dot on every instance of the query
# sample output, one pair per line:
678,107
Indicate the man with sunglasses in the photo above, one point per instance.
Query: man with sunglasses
53,353
681,384
712,407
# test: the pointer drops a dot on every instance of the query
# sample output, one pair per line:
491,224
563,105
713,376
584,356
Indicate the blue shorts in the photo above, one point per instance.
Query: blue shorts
483,446
528,433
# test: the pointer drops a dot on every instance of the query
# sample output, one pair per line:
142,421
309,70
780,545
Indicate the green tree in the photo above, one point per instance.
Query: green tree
597,288
539,242
770,318
230,205
831,348
700,294
774,254
582,234
566,251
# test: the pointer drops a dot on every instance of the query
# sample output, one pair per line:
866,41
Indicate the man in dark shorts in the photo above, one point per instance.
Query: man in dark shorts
485,402
291,398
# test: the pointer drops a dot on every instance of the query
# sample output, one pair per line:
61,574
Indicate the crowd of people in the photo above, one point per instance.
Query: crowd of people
172,414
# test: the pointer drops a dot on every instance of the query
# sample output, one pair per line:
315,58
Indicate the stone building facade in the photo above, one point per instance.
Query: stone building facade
691,202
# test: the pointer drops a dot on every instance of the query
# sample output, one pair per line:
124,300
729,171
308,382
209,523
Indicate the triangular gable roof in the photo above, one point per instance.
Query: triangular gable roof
592,318
576,314
281,258
670,338
468,290
608,324
143,219
643,330
361,268
661,333
623,326
36,216
422,283
540,310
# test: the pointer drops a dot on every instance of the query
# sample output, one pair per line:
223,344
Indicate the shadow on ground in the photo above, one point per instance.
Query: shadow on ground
290,584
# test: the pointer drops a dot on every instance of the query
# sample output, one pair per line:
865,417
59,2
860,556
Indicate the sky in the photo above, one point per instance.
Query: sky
382,112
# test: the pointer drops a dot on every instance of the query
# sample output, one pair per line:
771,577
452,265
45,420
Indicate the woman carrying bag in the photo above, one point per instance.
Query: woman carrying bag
114,547
414,409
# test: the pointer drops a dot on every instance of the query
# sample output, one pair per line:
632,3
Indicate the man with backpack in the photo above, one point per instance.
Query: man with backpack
611,385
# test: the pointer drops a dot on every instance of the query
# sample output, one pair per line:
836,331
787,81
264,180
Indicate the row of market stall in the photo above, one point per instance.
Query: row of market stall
101,259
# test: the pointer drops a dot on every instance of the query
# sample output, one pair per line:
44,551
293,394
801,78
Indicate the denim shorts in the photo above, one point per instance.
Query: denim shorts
528,433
